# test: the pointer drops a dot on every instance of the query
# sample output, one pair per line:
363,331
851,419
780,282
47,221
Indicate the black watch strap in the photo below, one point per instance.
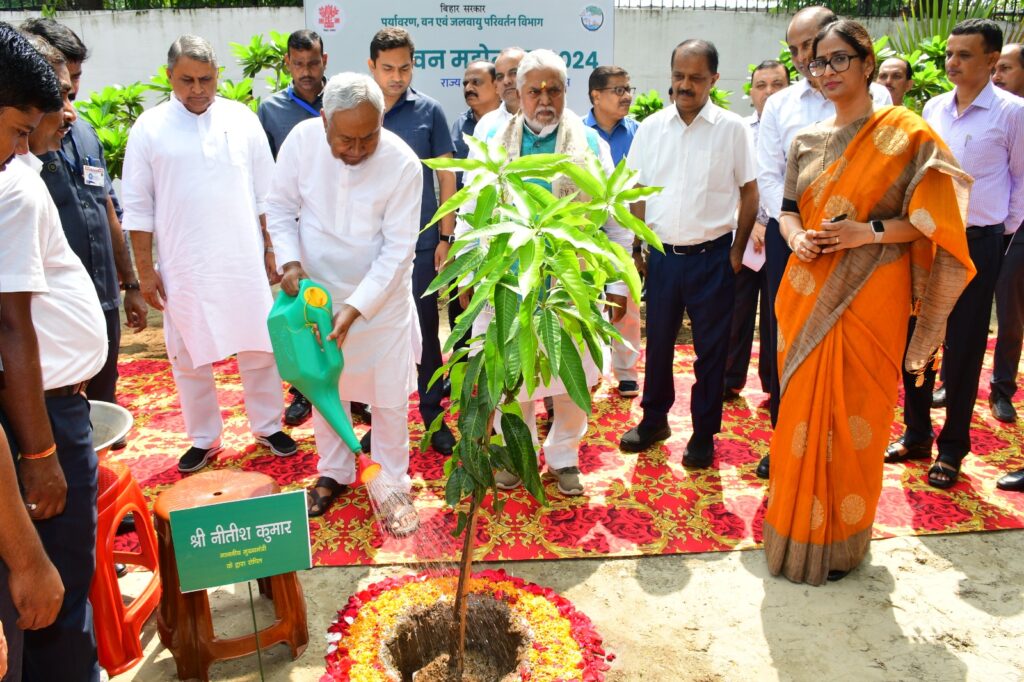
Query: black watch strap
130,286
450,238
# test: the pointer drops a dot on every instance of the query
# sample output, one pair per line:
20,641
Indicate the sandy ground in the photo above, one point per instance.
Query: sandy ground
920,608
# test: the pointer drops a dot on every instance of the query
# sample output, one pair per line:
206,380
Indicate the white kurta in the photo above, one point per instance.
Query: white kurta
199,184
353,229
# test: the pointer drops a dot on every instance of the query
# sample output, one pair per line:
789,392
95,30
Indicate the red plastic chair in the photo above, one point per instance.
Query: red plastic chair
117,624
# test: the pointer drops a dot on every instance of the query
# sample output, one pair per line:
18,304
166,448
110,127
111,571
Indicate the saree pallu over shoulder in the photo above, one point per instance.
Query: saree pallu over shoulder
843,329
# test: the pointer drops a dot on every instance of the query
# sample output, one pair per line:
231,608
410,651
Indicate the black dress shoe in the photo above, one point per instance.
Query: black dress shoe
126,526
641,437
833,576
699,455
1002,408
299,411
1013,482
763,470
899,451
730,394
443,440
939,397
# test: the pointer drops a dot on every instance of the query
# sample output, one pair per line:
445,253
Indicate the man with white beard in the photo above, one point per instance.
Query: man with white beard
543,125
344,210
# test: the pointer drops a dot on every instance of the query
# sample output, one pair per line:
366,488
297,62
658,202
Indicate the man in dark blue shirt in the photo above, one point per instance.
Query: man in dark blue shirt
306,62
480,90
79,184
610,97
420,122
278,114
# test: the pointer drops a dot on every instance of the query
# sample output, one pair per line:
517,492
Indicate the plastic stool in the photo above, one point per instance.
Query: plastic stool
184,621
118,626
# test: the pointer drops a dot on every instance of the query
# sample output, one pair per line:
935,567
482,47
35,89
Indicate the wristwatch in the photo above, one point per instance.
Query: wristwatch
450,238
877,230
130,286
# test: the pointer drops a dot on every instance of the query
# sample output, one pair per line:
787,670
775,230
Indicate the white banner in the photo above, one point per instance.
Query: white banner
448,37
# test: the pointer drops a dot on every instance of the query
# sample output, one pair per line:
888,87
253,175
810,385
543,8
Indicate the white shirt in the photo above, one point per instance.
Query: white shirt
785,114
492,121
199,183
36,258
701,167
355,234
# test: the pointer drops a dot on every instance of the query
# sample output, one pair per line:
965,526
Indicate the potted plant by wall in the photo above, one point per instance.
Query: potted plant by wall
542,263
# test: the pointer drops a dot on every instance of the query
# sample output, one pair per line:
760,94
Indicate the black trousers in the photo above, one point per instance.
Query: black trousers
66,650
702,286
776,256
751,286
966,339
103,386
1010,314
423,274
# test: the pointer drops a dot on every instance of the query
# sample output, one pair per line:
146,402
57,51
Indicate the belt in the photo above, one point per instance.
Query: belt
694,249
66,391
979,231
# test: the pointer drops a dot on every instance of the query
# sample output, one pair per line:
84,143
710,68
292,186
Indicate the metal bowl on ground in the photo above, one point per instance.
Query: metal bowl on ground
110,423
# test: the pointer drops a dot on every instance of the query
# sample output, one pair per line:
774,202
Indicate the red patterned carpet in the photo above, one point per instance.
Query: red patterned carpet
634,504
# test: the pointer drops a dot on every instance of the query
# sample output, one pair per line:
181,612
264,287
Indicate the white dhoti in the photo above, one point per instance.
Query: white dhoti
624,357
390,446
562,446
197,390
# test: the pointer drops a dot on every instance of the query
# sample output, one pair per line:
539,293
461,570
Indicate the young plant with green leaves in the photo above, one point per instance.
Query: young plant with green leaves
541,263
260,55
646,104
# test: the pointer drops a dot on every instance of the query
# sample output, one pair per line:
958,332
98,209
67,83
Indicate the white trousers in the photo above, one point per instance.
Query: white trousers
624,358
562,446
390,446
261,386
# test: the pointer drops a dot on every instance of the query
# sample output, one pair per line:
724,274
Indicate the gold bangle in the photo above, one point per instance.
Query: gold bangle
41,455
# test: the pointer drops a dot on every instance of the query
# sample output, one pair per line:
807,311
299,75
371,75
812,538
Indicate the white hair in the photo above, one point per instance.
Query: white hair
348,90
540,59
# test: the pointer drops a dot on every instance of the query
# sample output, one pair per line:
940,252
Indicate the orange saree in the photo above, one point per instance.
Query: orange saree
842,326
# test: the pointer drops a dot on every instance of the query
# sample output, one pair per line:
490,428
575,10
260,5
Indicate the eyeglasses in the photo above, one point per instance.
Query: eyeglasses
839,63
619,90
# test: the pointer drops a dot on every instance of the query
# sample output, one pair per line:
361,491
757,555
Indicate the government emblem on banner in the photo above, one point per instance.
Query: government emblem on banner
328,17
592,17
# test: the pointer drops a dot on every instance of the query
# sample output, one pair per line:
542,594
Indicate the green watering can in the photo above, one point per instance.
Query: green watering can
314,366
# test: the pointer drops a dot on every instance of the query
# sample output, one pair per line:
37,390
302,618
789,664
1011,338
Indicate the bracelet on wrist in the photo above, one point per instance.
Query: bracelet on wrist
41,455
130,286
269,249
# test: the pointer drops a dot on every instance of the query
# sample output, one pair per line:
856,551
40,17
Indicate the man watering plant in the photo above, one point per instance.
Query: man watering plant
344,209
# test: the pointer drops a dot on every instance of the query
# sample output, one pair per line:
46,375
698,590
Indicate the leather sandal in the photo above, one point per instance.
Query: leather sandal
899,451
951,471
317,504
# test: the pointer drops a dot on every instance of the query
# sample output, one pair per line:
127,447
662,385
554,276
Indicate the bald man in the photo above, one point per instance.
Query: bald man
897,76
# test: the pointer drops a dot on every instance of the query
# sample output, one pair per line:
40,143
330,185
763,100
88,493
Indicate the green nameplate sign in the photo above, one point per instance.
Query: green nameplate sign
232,542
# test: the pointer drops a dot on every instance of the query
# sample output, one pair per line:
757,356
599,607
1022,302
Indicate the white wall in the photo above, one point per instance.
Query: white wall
644,40
131,46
